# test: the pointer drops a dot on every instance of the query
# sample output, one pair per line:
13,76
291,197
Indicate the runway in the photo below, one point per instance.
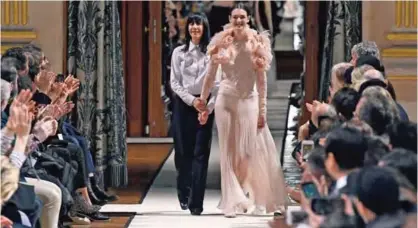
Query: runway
161,208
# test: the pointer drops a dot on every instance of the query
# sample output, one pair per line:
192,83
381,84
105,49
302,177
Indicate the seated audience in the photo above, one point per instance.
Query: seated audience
345,102
377,109
370,153
403,134
377,198
345,150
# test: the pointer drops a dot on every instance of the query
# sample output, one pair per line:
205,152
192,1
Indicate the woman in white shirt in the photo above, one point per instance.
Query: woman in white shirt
192,141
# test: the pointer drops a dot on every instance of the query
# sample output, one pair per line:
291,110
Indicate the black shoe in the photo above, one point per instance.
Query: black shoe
184,206
196,211
96,216
101,194
94,198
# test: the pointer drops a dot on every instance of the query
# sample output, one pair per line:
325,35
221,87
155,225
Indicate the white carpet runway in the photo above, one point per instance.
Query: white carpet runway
161,208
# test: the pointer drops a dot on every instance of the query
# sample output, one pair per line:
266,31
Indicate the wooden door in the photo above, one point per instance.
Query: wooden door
141,23
132,26
156,123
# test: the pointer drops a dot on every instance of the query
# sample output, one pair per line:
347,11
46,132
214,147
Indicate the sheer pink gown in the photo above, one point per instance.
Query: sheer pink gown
249,159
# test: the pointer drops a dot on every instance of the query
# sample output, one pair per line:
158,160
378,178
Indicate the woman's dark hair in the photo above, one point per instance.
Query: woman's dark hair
204,41
345,101
34,58
347,75
8,69
377,149
19,55
243,6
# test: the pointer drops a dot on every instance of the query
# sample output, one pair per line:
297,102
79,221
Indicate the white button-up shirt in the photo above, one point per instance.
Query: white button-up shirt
188,70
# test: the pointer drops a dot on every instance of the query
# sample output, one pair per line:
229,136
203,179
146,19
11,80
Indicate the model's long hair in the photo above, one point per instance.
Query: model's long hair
199,19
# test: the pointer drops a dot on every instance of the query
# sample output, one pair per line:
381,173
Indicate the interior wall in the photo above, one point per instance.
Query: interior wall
40,22
47,19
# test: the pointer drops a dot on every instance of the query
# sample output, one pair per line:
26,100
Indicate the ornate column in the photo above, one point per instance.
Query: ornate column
401,54
14,30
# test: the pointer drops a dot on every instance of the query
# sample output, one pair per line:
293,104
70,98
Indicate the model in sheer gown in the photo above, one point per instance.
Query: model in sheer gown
251,174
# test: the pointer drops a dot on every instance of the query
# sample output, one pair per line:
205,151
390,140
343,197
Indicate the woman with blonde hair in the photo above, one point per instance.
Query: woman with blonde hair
9,184
357,76
9,179
337,77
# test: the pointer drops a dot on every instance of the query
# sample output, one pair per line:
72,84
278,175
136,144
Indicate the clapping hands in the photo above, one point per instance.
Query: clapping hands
59,91
21,117
45,127
44,81
56,110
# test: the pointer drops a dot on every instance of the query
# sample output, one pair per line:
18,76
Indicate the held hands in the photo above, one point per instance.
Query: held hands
200,105
203,117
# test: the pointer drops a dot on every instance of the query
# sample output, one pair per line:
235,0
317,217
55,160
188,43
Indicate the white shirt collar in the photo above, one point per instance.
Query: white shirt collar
341,182
192,46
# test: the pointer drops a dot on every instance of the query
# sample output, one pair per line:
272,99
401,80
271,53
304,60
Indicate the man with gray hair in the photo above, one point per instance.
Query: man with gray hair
377,109
364,48
5,93
9,77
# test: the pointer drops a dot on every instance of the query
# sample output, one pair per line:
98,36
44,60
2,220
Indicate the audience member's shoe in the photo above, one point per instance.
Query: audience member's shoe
94,198
96,207
73,219
81,206
196,211
95,216
100,193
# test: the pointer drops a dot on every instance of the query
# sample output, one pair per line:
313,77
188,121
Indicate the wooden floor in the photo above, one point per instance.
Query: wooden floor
144,160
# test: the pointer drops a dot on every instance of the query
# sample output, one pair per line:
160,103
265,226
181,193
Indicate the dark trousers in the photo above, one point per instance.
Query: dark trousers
75,137
192,143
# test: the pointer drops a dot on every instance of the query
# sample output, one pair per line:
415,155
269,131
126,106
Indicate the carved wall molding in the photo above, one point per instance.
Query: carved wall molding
14,12
406,14
14,30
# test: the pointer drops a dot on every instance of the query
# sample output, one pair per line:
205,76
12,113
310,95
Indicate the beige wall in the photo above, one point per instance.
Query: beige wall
43,19
393,26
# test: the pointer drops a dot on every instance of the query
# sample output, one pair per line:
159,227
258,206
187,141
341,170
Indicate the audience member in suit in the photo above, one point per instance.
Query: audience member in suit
345,151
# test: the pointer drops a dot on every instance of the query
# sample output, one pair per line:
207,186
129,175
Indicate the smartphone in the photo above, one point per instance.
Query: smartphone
310,190
325,206
307,147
